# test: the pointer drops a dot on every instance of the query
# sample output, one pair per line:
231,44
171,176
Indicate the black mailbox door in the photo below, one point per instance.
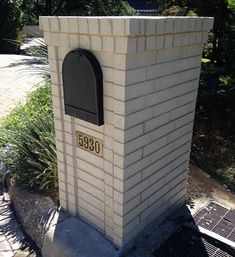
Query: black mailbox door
83,86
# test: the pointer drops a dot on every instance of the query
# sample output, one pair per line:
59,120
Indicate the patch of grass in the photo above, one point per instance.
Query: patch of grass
27,141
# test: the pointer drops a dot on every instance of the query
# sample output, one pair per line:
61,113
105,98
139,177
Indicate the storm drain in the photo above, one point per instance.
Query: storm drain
188,243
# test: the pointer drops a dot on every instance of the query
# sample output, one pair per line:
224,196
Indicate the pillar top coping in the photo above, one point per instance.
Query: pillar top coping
125,25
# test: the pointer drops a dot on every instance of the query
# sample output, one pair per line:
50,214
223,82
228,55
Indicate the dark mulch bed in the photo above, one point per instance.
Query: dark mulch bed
214,133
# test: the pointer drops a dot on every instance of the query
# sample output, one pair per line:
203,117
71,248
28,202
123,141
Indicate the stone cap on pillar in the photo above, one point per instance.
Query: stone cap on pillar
125,25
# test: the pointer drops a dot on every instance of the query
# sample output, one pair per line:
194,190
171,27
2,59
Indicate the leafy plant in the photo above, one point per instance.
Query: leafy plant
28,135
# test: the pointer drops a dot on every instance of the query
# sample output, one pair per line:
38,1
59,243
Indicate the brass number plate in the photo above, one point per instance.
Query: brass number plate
89,143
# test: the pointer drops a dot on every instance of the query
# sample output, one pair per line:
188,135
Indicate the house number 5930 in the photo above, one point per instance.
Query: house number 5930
89,143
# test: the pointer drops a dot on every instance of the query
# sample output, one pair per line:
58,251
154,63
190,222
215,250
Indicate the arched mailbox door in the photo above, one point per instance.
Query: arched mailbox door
83,86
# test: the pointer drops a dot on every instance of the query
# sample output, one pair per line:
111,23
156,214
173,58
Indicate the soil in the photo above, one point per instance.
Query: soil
214,138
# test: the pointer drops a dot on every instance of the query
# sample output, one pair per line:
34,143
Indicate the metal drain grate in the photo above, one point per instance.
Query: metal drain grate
217,219
187,243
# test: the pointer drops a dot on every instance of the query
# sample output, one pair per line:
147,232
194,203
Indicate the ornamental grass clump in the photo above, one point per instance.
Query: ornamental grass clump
27,141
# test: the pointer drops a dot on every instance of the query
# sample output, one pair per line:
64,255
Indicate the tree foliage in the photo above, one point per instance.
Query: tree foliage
220,49
11,23
35,8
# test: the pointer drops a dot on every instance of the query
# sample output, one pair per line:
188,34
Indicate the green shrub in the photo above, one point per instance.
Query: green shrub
11,24
29,137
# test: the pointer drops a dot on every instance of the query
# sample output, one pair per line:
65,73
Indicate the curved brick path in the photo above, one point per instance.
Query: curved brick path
18,75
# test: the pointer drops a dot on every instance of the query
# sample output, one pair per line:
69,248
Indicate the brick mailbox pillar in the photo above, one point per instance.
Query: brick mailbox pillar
151,68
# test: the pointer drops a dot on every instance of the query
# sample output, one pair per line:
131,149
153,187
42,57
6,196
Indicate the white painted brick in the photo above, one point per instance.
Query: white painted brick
130,205
135,190
118,160
140,60
109,203
64,25
91,199
120,61
108,231
207,23
52,52
118,27
132,226
138,117
204,36
141,44
192,24
151,43
159,70
169,40
64,39
108,190
160,27
125,45
90,218
153,189
177,25
44,24
108,74
133,132
91,179
84,41
108,89
177,174
178,40
150,27
73,25
54,24
108,44
83,25
105,59
55,39
199,24
90,208
133,157
118,172
93,26
108,179
108,129
169,25
132,181
91,189
96,43
185,39
136,167
53,67
132,26
184,24
90,158
136,75
160,42
72,208
73,41
192,38
137,143
135,212
91,169
108,167
171,54
106,26
140,89
198,37
108,154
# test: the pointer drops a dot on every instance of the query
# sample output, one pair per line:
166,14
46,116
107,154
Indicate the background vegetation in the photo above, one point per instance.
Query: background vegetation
11,23
27,141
